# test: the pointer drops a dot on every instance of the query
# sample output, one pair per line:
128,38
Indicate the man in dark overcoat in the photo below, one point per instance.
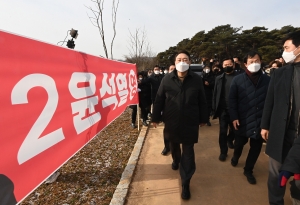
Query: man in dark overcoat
280,121
220,107
181,100
291,167
246,102
208,83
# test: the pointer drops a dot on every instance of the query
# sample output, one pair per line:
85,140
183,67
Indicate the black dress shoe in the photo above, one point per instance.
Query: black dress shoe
208,124
145,123
165,151
251,179
175,165
186,194
234,161
133,125
222,157
230,145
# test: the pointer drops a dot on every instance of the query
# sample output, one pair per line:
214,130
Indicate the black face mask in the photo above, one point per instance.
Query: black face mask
216,70
228,69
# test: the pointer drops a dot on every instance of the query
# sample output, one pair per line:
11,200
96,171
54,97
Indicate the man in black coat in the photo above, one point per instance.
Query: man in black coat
208,83
154,80
6,191
280,121
238,67
291,167
246,102
220,106
181,100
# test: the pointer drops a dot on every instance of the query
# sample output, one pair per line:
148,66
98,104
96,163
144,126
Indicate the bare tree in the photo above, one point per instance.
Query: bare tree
139,50
97,20
114,20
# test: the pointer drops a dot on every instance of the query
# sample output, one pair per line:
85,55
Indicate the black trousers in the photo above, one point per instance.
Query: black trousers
167,143
144,113
209,109
255,148
224,135
186,158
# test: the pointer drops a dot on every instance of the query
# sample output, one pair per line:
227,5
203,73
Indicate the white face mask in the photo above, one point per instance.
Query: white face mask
156,72
140,78
165,71
289,57
206,70
253,67
182,66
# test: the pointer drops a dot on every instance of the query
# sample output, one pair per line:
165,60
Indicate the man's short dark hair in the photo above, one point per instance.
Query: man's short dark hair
228,58
251,54
185,52
294,36
156,66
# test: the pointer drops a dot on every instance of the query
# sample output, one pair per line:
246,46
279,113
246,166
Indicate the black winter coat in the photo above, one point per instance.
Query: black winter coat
217,95
145,94
208,88
277,111
184,107
292,161
154,81
246,103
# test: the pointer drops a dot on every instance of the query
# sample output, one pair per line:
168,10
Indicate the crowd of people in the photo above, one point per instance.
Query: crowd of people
254,102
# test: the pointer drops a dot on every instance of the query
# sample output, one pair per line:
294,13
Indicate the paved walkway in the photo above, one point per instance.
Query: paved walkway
214,183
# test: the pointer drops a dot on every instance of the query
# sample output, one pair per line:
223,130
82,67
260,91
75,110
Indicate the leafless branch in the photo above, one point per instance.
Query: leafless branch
97,20
114,21
139,49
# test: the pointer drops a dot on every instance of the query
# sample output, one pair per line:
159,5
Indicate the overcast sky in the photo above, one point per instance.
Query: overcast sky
166,21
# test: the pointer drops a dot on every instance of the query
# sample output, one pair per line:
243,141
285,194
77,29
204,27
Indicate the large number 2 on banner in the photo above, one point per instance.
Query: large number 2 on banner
33,143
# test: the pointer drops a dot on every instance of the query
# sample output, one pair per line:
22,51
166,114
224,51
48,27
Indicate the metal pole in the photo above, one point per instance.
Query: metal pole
138,113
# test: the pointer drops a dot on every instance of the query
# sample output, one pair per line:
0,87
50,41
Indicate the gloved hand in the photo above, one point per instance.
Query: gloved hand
283,178
297,176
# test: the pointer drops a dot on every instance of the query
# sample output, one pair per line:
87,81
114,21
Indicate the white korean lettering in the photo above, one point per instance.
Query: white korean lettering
82,92
80,107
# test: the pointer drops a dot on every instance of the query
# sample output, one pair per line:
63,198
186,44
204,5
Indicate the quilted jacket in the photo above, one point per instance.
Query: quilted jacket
246,103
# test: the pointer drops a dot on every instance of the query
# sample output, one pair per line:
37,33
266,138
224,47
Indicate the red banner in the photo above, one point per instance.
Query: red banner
53,101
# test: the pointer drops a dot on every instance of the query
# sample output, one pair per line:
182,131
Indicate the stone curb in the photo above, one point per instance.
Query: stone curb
123,186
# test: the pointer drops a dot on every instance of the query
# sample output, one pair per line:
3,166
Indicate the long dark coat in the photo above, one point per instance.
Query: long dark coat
183,106
145,94
277,111
292,161
154,81
217,94
208,88
246,103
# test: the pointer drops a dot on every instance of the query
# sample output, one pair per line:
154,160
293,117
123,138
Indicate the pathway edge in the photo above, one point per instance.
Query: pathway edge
124,183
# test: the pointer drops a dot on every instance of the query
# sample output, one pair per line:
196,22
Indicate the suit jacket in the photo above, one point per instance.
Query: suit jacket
277,110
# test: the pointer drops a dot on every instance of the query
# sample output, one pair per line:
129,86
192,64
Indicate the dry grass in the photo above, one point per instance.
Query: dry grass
92,175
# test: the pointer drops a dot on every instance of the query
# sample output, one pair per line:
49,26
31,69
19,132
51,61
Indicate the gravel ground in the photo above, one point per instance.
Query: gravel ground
91,176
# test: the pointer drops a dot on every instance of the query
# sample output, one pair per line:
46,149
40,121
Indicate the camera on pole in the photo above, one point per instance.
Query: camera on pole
73,34
70,43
